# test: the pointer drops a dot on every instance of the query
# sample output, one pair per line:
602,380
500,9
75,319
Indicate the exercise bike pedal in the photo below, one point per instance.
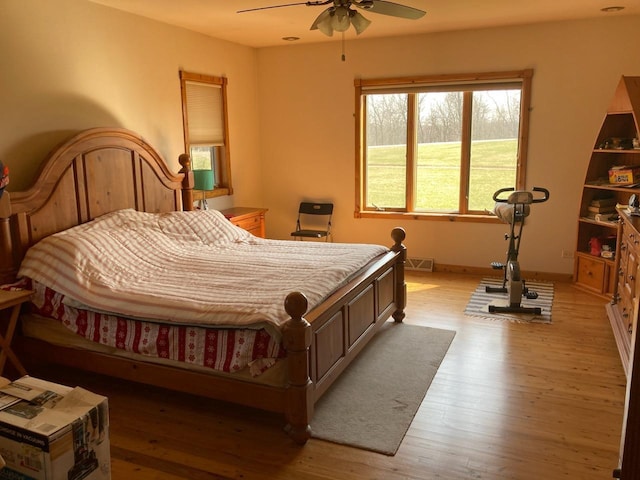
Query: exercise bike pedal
489,289
531,295
497,265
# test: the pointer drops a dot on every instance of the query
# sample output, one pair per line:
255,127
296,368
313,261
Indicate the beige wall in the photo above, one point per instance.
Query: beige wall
71,64
307,128
68,65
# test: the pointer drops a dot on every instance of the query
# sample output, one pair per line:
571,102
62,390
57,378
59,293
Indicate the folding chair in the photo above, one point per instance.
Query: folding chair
317,220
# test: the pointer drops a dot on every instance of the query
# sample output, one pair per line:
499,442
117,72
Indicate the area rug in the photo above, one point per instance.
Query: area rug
373,402
480,300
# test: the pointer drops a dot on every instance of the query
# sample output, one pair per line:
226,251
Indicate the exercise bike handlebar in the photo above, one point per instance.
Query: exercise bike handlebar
528,196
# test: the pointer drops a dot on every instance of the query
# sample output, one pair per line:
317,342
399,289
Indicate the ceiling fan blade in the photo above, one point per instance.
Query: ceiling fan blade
390,8
308,4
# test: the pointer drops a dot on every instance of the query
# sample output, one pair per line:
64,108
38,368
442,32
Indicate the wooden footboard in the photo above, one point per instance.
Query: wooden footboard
323,343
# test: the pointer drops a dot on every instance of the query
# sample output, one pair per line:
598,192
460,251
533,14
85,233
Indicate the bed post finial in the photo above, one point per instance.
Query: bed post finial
187,182
398,234
296,337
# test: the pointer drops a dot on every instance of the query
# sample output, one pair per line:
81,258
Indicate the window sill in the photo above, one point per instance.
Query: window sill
438,217
216,192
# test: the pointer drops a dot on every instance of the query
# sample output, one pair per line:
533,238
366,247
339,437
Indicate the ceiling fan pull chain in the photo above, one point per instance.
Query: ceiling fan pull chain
343,55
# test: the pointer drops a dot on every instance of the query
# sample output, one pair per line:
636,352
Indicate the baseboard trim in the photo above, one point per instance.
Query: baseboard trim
488,271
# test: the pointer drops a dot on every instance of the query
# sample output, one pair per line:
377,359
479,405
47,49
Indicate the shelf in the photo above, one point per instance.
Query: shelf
605,185
612,224
609,261
616,150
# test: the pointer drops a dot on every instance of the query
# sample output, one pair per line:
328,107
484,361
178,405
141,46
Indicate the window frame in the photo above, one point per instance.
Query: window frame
413,85
220,153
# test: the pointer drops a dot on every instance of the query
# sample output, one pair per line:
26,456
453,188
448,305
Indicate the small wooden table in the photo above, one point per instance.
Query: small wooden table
249,218
11,300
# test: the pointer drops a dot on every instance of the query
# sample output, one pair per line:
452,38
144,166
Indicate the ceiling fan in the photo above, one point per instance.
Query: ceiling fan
339,16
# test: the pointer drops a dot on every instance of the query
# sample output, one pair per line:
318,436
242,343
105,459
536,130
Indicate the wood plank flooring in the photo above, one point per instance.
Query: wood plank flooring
510,401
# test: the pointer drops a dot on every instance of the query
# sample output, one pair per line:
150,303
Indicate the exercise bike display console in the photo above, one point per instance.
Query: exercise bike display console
513,209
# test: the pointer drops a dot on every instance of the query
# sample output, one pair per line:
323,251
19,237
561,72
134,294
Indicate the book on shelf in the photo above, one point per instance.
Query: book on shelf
602,202
602,209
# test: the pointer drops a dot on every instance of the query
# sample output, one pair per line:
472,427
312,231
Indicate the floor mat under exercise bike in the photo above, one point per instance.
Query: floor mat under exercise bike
478,306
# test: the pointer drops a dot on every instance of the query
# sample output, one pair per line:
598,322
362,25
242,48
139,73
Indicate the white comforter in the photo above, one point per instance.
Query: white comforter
188,267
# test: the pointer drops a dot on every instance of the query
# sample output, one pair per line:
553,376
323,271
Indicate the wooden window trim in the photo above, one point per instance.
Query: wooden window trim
363,86
225,185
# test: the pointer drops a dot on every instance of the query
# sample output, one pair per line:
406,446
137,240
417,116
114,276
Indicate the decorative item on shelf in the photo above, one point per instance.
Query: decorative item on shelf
607,252
4,177
624,175
617,143
606,217
609,243
203,181
634,204
595,246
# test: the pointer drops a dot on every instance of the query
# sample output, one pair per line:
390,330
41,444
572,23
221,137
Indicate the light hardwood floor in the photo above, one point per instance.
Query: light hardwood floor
510,401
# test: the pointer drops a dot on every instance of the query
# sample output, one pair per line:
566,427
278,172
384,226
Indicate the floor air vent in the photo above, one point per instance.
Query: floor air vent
422,264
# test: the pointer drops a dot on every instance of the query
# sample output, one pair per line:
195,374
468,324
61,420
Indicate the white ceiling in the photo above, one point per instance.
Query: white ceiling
218,18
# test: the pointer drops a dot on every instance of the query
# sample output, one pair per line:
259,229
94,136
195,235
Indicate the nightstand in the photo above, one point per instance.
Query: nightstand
249,218
11,302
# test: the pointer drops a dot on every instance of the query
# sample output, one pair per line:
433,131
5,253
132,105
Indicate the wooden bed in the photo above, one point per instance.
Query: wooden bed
104,169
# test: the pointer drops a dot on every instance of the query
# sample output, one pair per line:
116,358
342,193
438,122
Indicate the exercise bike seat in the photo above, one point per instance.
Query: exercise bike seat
515,209
521,197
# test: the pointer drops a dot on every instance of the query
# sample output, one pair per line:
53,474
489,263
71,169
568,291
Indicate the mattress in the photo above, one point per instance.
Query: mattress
193,268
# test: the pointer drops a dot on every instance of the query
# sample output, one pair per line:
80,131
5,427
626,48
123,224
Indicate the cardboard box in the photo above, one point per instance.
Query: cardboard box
53,432
623,175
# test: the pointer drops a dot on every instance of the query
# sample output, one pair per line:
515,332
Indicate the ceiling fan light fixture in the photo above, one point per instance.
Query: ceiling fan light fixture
326,28
323,23
359,22
340,19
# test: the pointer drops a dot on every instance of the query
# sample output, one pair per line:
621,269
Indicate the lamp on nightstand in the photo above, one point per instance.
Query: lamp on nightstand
203,181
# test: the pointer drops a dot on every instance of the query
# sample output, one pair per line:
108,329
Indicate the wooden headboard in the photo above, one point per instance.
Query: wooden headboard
97,171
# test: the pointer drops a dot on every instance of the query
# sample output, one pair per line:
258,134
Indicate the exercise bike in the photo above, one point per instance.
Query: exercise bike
513,210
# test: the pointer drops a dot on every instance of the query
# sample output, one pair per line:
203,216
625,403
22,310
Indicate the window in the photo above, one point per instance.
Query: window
440,146
206,131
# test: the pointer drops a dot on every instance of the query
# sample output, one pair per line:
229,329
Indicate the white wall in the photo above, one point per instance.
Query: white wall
307,128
